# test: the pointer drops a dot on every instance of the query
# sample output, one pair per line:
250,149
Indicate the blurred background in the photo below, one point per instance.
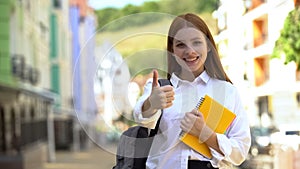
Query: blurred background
71,71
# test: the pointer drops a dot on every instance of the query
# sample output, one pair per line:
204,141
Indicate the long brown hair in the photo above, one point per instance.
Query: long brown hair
212,64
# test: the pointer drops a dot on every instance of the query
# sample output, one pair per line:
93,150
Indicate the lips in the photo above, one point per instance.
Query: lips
191,60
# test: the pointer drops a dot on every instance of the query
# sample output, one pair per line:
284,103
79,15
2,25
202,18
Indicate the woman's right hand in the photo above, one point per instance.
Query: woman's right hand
161,97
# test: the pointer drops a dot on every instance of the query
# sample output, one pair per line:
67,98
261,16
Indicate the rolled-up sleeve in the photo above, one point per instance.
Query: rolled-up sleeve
236,142
137,112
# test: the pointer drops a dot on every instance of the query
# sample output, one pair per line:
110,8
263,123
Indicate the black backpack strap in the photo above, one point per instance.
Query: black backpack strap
142,147
154,131
164,82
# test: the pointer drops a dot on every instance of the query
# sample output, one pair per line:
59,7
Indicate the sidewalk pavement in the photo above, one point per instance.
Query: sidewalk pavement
93,158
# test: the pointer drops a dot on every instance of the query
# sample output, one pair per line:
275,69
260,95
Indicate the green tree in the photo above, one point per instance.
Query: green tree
288,44
174,7
107,15
150,6
130,9
206,6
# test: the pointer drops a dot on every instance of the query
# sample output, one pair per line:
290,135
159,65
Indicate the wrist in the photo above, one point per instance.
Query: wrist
147,110
205,134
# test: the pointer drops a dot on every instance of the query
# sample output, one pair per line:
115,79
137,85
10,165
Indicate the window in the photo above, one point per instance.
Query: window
55,83
263,105
256,3
2,131
261,70
28,6
32,113
298,98
57,3
23,115
260,31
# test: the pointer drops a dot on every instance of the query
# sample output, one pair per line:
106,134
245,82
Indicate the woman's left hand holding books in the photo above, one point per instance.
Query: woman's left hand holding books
193,123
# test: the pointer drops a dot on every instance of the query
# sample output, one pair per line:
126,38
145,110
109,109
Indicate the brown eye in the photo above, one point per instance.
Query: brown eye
180,45
197,42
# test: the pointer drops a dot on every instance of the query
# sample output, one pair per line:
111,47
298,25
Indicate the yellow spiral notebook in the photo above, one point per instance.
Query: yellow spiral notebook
216,116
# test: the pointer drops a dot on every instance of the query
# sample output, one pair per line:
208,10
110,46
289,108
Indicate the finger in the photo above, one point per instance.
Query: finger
166,96
195,112
155,78
183,125
170,99
169,104
186,118
190,115
183,128
169,93
169,96
167,88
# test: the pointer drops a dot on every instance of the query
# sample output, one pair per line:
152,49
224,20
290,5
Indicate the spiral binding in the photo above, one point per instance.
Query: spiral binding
181,134
200,102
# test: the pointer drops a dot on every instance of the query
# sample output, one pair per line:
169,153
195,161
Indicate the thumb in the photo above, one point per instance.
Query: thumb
155,78
195,112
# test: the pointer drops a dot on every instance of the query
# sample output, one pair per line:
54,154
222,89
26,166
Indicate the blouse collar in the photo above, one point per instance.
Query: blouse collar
203,77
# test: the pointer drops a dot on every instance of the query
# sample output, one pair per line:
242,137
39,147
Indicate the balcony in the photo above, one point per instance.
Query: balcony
260,31
258,41
261,70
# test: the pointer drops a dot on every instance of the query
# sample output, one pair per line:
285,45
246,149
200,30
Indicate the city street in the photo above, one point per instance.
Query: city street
93,158
258,162
98,158
73,75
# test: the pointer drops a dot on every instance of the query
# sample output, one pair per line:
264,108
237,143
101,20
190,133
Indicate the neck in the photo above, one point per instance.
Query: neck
188,75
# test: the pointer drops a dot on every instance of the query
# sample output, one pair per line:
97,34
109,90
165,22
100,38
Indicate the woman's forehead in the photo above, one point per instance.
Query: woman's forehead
188,33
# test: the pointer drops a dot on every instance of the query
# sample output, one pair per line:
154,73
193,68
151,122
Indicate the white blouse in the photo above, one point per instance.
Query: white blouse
168,151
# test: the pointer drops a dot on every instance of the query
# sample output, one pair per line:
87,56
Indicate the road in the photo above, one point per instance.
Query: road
98,158
93,158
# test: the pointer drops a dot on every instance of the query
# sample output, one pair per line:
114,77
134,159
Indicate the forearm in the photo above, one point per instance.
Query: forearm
212,142
209,137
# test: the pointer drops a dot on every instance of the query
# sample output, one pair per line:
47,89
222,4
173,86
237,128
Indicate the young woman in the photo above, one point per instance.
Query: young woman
195,70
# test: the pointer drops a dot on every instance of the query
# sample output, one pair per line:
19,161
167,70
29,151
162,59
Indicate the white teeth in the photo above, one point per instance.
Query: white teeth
191,59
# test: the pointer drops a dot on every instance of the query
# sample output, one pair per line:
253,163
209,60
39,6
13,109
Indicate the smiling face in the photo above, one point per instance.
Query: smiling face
190,47
192,57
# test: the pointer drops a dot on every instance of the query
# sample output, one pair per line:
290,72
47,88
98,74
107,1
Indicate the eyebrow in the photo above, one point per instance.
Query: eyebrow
197,38
178,40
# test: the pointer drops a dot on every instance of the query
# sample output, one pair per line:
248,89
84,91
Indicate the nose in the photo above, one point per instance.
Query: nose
190,51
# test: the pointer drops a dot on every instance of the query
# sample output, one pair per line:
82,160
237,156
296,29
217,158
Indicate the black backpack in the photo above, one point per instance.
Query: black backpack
132,153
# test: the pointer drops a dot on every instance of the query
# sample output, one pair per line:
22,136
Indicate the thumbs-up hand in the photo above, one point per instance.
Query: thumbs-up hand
161,97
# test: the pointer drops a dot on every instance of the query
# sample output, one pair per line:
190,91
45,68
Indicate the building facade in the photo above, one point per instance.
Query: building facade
246,38
37,113
26,132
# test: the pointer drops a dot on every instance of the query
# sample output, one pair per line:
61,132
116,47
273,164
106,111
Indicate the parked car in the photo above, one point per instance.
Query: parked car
261,144
261,140
288,134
